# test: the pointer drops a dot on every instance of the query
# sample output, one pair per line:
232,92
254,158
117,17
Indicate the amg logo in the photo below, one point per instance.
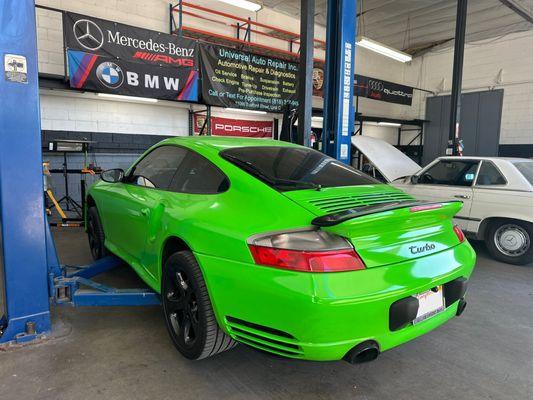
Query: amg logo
162,58
422,249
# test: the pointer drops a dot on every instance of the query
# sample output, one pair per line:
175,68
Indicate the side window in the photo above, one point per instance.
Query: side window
158,167
489,175
198,175
450,172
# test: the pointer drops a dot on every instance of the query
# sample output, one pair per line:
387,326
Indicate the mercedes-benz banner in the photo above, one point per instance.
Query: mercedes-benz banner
238,79
105,56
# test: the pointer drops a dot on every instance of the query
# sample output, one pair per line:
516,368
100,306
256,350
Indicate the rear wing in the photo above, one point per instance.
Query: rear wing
340,217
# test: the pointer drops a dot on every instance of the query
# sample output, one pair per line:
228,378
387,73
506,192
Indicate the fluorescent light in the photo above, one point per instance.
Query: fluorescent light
393,124
127,98
383,49
247,5
245,111
317,119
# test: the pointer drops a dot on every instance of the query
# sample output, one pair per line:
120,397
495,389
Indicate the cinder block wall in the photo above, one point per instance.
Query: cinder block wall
505,62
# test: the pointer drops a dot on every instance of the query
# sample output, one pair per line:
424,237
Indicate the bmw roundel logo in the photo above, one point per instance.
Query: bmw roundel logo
110,74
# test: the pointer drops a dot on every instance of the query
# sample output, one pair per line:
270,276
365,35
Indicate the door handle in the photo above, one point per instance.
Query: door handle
145,211
461,196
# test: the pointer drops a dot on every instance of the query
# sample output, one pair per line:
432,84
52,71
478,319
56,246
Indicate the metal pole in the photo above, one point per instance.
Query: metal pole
458,55
23,246
305,78
339,113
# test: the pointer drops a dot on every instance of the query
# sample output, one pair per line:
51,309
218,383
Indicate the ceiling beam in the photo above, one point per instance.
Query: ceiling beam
520,9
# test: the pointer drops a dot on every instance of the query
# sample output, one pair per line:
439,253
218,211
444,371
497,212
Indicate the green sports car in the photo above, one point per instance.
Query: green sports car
279,247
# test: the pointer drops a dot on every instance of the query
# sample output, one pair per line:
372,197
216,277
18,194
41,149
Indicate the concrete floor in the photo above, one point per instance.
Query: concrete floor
124,353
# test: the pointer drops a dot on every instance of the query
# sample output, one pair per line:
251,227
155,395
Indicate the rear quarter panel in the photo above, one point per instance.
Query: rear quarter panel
500,203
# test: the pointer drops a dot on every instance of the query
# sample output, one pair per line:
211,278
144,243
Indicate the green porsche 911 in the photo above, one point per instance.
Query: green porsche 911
279,247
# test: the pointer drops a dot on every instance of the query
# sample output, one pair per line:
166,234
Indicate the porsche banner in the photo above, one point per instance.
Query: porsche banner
234,127
379,89
106,56
237,79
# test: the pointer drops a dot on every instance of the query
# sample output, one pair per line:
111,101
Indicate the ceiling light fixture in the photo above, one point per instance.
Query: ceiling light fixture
245,111
392,124
127,98
247,5
383,49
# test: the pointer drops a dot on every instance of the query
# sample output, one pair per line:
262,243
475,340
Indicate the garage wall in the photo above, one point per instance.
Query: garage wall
153,14
72,111
499,63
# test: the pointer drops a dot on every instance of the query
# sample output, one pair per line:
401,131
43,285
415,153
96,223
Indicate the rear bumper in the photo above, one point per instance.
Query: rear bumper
322,316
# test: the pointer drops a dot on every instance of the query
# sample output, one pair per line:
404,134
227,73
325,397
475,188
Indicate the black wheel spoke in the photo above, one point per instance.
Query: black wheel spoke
187,329
181,306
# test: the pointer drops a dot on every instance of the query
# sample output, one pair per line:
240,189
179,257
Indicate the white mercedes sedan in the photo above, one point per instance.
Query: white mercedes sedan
497,193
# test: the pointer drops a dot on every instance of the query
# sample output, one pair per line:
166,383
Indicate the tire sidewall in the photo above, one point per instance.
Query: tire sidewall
496,253
182,261
93,218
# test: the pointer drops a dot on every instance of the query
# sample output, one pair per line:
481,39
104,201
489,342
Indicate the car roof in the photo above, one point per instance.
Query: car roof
510,159
226,142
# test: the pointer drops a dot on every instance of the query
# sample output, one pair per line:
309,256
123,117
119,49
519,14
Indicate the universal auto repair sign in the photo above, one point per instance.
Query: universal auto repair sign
234,127
106,56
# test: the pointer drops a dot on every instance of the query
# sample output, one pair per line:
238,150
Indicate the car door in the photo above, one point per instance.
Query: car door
445,180
193,187
491,196
139,199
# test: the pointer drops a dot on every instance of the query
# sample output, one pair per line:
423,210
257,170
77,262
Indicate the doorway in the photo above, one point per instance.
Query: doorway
481,114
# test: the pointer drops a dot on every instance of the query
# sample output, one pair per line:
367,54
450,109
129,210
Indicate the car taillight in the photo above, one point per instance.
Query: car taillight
307,251
459,233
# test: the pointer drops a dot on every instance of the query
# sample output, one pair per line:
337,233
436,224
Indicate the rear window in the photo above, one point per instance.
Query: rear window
294,168
526,169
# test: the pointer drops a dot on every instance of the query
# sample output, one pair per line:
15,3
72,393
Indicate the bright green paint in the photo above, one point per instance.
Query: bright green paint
327,313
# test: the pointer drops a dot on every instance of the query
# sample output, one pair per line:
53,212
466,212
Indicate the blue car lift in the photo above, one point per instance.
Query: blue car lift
29,266
31,277
339,113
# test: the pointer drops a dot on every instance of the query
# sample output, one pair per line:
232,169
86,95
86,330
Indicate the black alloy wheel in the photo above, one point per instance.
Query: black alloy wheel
187,308
95,234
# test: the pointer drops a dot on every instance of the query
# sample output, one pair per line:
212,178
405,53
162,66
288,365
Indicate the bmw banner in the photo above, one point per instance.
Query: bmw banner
106,56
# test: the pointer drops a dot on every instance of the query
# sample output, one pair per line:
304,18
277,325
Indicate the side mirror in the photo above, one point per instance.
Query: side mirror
415,179
112,175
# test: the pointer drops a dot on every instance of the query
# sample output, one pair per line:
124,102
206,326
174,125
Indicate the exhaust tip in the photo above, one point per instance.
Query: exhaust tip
363,352
461,306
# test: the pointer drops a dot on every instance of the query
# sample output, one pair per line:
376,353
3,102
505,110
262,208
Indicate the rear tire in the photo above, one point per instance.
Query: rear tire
510,241
95,233
189,315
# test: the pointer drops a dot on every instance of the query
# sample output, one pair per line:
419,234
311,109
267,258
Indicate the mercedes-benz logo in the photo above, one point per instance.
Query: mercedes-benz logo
88,34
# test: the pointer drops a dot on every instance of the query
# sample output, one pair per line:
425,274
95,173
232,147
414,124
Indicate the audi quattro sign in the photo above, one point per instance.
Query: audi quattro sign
379,89
107,56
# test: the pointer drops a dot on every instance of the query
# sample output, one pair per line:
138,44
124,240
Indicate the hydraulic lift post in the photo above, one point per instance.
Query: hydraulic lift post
30,273
22,219
339,113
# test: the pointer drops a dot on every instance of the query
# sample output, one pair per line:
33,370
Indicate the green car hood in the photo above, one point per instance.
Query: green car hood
384,237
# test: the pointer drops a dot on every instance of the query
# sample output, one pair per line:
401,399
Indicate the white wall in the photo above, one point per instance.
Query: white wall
505,62
86,112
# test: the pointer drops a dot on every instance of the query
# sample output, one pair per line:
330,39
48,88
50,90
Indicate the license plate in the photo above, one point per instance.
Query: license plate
429,304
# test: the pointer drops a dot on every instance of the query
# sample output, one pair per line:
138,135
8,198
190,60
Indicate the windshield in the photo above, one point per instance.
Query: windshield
526,169
293,168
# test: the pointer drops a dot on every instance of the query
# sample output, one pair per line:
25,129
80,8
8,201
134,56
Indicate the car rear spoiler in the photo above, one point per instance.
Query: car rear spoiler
340,217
